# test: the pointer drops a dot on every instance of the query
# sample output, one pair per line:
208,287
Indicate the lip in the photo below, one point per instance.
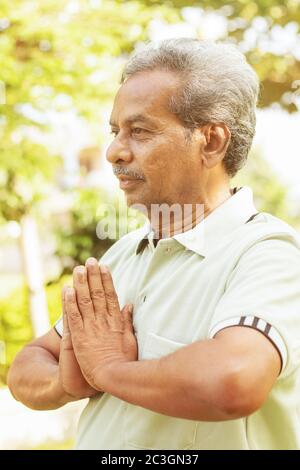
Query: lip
127,182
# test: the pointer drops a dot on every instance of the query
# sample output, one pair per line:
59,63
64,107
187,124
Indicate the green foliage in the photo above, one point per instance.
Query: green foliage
277,70
56,56
53,293
15,324
271,195
24,172
59,55
54,445
76,235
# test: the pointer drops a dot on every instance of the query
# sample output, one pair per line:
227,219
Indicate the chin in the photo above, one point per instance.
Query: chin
130,201
138,204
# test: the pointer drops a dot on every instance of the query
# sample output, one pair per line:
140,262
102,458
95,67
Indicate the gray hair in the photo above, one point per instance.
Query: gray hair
218,86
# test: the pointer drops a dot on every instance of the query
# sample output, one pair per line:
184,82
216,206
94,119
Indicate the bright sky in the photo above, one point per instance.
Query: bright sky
277,136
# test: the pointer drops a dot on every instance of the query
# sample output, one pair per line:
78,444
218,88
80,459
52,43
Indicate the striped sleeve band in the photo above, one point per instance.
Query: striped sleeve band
256,323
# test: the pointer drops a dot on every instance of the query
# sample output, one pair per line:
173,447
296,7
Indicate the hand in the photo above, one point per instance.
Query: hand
70,374
101,334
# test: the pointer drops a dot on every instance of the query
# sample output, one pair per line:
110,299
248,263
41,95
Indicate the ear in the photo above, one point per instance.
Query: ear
215,141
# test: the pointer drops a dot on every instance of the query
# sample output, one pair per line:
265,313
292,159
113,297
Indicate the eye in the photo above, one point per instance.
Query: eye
137,130
114,132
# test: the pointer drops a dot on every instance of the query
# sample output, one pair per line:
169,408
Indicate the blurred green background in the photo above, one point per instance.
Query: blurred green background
60,65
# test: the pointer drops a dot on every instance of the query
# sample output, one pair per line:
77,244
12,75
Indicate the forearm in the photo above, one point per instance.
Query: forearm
175,385
33,379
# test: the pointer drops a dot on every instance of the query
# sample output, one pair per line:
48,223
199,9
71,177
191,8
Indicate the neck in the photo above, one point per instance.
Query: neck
168,220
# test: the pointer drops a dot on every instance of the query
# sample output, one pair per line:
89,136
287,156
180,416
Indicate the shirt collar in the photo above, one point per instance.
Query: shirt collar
204,237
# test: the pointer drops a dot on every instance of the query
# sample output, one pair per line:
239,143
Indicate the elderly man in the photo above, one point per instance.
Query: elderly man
205,352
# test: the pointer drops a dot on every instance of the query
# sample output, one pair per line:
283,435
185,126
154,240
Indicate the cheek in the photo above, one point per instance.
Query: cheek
163,161
151,158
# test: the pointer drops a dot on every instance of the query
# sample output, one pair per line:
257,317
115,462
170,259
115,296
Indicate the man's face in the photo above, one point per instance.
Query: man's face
150,144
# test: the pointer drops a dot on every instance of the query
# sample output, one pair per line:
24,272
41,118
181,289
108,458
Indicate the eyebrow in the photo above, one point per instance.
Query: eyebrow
134,118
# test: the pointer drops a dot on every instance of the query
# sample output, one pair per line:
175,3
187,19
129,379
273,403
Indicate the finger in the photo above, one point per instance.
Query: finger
83,297
66,337
127,312
113,314
65,320
96,288
112,302
75,321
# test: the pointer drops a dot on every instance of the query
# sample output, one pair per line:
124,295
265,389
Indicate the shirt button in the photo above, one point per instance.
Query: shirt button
168,249
141,298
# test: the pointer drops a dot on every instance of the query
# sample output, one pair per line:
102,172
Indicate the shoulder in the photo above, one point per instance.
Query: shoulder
268,227
264,240
269,242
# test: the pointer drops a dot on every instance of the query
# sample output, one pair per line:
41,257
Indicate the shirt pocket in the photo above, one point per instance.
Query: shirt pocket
156,346
145,429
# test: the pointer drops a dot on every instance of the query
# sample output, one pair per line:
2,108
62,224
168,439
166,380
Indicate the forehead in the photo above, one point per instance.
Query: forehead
145,94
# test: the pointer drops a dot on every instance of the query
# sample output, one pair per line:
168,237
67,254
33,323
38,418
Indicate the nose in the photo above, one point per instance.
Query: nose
118,151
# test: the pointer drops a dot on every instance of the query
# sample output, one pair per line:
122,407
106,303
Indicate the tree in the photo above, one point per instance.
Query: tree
67,55
270,193
271,29
54,55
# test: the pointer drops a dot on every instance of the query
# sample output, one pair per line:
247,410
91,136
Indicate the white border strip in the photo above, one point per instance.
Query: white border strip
59,327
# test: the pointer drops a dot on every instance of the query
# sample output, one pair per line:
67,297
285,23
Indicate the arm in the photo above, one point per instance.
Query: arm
46,375
33,377
219,379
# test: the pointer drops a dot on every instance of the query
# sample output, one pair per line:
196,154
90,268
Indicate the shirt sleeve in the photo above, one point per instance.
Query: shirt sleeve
263,292
58,326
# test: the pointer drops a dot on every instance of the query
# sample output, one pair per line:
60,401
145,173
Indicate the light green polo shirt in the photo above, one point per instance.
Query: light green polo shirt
226,271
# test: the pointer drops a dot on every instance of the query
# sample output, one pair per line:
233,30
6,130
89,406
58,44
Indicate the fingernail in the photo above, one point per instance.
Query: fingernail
91,262
80,273
130,309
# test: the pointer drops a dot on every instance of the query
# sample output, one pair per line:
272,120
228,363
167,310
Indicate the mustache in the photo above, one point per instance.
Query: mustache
120,170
